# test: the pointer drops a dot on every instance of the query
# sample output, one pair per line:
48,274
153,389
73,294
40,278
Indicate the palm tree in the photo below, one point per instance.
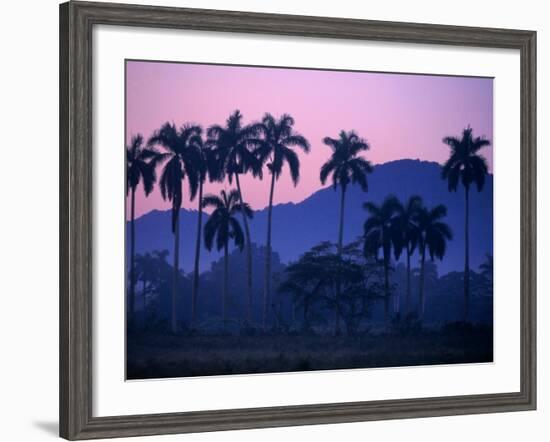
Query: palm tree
346,167
433,235
276,148
140,167
235,146
381,231
467,166
181,156
223,226
206,168
407,219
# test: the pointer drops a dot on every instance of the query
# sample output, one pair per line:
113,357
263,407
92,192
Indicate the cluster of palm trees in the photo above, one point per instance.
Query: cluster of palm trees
403,228
397,226
226,152
339,278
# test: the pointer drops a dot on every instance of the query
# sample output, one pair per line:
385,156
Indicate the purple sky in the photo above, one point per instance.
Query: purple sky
401,116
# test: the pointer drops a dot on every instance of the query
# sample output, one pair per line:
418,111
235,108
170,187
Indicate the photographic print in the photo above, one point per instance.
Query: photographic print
290,219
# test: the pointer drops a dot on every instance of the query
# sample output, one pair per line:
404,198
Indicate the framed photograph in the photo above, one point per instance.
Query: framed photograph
271,220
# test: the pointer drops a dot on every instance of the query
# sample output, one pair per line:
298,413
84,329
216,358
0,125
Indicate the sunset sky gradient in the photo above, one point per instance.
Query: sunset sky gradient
400,115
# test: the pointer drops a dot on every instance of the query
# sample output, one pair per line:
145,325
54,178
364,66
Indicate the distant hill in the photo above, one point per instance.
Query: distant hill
298,227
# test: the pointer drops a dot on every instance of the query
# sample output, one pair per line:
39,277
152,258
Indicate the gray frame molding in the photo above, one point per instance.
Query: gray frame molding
76,22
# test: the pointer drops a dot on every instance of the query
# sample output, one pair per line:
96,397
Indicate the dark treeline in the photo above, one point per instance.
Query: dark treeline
303,297
333,288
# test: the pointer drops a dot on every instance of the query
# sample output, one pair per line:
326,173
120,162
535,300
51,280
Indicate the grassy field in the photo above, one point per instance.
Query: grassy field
160,356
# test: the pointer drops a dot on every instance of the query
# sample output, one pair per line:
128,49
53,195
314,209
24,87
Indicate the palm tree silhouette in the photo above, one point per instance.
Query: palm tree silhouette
235,146
206,168
223,226
276,149
140,167
433,235
467,166
346,167
407,220
381,231
181,156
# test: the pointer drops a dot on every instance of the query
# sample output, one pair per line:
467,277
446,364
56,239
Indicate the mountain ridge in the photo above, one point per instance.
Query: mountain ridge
299,226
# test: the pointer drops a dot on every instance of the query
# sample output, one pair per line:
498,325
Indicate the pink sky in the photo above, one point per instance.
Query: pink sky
401,116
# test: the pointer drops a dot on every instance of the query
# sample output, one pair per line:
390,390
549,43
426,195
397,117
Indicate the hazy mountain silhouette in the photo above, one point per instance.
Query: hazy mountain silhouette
298,227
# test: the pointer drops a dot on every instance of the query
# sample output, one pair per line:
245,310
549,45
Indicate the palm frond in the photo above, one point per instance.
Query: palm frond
480,170
359,168
293,164
452,142
478,144
438,212
372,208
215,132
211,200
326,170
237,233
166,136
298,141
210,232
331,142
148,174
238,207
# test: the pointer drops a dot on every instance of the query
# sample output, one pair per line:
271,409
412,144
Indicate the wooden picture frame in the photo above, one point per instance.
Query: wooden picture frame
76,243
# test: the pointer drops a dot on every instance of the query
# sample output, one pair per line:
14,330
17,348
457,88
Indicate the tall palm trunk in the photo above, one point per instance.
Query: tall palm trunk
248,252
175,274
225,283
132,254
467,258
197,258
267,281
340,246
408,294
422,296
